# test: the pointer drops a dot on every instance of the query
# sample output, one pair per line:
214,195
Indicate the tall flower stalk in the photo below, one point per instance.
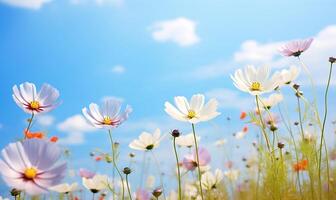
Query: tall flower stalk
198,163
263,129
332,60
175,134
127,171
115,164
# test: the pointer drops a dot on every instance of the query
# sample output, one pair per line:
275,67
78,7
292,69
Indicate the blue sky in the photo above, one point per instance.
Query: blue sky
91,49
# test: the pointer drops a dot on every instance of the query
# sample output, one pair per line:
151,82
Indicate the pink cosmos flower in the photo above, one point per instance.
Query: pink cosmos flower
190,160
30,166
108,116
142,194
295,48
84,173
30,101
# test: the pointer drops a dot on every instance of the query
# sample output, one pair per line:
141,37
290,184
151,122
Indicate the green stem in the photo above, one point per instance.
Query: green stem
143,169
323,125
128,188
197,159
160,173
263,125
29,124
178,171
300,118
115,165
289,128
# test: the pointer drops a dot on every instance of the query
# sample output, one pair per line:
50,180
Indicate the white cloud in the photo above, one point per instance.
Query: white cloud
180,30
75,126
45,120
112,98
30,4
251,51
118,69
115,3
256,53
216,69
230,99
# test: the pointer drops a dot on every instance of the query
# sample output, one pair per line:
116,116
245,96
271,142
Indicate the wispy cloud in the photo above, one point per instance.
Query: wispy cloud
115,3
257,53
29,4
112,98
230,99
181,31
75,127
118,69
45,120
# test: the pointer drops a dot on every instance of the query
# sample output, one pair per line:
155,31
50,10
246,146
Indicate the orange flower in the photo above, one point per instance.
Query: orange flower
245,129
301,165
54,139
243,115
98,158
31,135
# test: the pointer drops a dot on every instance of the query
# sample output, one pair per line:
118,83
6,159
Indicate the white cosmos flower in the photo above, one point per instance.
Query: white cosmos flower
220,142
255,81
287,76
190,190
272,100
232,174
27,98
108,115
186,140
309,136
211,180
172,195
147,141
194,111
64,188
96,183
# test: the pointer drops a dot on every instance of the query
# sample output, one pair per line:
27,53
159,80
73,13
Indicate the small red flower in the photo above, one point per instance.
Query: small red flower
98,158
31,135
243,115
301,165
54,139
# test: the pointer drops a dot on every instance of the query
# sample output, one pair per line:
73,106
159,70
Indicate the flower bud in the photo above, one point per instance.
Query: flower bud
296,86
175,133
281,145
108,159
273,128
127,170
157,192
15,192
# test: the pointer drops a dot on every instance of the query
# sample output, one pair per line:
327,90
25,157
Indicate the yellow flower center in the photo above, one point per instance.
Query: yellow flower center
256,86
30,173
35,105
107,120
191,114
